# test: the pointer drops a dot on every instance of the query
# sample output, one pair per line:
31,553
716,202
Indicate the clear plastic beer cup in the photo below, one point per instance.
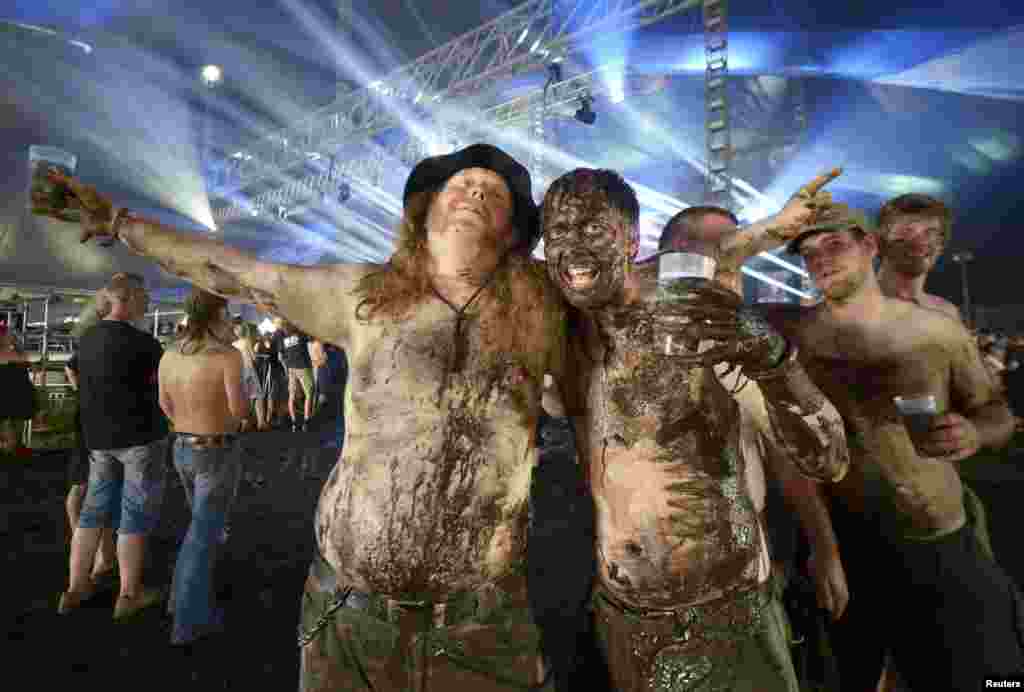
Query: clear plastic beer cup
47,198
918,413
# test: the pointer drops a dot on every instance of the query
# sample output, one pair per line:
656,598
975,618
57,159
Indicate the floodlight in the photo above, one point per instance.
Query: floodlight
211,75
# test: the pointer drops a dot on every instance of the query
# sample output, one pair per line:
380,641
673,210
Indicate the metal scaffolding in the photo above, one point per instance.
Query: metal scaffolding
718,135
524,112
744,123
524,38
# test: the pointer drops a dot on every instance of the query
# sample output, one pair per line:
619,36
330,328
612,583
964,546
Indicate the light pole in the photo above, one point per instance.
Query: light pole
963,259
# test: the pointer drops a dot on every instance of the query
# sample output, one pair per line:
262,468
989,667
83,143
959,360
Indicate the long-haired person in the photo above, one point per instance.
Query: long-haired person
246,338
201,392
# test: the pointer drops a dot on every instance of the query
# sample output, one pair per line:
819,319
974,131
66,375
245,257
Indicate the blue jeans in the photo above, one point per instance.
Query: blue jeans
126,489
210,477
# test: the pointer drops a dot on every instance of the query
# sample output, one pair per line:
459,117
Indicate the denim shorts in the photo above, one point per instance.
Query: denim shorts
130,480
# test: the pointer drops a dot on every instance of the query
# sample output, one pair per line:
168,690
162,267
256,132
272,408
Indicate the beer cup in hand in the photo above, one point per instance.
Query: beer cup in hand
918,414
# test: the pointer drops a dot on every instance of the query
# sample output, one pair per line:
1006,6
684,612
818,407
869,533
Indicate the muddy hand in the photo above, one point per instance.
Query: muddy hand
97,209
701,314
716,319
802,207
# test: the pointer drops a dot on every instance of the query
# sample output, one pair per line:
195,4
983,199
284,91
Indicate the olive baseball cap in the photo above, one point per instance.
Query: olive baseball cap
836,217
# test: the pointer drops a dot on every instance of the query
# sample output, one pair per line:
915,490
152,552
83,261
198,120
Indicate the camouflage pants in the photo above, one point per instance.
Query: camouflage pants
738,643
480,642
977,517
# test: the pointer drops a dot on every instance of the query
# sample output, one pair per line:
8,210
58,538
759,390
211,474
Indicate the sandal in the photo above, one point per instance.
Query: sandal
127,607
71,600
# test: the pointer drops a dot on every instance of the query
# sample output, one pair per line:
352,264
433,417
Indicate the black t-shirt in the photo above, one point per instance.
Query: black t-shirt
118,388
72,364
294,349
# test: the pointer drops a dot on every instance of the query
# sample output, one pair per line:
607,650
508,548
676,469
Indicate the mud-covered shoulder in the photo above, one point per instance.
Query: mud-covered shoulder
787,318
932,324
944,307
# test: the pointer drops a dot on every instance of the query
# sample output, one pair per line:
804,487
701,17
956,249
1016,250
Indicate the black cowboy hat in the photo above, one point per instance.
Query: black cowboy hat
431,173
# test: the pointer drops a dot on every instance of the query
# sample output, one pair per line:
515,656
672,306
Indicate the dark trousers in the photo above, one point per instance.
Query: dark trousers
948,614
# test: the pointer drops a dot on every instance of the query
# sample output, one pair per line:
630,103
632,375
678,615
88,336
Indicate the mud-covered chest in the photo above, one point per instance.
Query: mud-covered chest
633,395
440,360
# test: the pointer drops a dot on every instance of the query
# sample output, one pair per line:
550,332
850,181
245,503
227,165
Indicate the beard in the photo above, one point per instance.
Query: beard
904,258
845,289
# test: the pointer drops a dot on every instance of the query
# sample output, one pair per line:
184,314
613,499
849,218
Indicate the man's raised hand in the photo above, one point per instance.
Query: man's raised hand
802,208
97,209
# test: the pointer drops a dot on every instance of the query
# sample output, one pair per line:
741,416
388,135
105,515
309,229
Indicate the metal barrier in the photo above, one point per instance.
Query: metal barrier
59,397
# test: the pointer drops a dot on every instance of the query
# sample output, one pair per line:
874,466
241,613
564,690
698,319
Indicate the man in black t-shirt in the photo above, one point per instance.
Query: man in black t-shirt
293,346
125,433
105,565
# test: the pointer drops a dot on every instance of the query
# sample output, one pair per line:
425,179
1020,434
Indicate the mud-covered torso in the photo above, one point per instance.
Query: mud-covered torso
675,522
888,481
430,495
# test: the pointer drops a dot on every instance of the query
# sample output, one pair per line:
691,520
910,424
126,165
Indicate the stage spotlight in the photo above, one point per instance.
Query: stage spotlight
586,114
344,192
211,75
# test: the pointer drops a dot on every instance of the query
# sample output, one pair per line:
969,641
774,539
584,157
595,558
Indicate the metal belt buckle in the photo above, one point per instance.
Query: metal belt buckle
439,612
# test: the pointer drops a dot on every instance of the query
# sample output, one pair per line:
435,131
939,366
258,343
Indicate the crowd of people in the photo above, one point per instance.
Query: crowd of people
684,406
205,391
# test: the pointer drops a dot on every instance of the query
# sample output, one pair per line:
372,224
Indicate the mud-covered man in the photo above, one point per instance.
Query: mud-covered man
680,598
422,524
766,457
913,232
920,585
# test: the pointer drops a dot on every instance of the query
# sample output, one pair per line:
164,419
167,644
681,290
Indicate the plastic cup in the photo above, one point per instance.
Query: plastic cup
47,198
685,265
918,413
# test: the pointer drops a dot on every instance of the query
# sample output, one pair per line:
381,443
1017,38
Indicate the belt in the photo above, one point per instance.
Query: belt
207,441
750,600
476,604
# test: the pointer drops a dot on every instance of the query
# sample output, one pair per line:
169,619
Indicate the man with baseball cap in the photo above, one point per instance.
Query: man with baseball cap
919,584
421,527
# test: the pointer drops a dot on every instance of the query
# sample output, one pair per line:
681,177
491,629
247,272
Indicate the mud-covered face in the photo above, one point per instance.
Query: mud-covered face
588,247
912,244
839,262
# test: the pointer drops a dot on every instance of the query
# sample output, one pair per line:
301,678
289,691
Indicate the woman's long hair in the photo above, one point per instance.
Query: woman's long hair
203,310
404,280
524,309
247,335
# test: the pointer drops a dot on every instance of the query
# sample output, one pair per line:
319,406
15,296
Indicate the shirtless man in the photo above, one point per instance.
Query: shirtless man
201,393
421,525
919,585
913,230
679,601
764,452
